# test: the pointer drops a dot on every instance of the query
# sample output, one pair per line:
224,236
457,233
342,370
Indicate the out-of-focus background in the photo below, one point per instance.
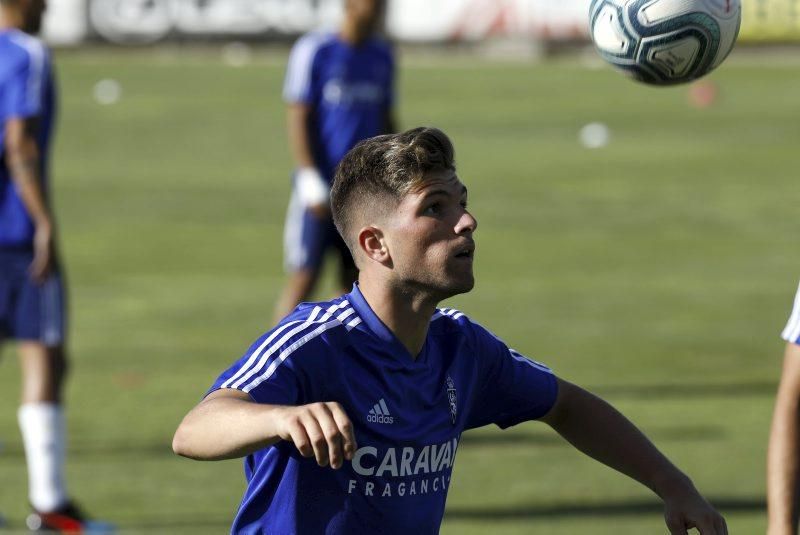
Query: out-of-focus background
641,241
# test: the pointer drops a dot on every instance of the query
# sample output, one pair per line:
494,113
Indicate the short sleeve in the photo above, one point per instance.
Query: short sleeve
262,374
791,333
297,87
512,388
23,94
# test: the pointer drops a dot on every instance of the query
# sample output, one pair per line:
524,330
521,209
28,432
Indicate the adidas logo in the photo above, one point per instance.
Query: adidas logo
379,414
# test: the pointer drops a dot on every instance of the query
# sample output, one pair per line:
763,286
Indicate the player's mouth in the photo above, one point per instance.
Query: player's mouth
466,253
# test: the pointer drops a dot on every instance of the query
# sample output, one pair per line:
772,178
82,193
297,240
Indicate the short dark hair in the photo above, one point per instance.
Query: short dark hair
386,168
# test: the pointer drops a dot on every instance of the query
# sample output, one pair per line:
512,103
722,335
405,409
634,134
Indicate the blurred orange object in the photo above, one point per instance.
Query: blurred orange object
703,94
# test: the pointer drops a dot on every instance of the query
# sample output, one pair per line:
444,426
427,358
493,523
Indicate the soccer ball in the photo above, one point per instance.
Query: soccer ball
665,42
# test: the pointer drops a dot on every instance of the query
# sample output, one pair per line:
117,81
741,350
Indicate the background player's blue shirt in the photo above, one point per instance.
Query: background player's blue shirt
349,90
408,416
27,90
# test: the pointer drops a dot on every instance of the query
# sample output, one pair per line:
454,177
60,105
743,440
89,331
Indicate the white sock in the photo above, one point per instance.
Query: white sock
44,436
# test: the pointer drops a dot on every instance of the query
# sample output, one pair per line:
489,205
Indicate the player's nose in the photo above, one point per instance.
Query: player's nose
466,223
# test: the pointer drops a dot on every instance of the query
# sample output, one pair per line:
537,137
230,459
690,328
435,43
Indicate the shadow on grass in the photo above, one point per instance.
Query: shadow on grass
105,448
185,522
196,522
690,390
687,433
607,509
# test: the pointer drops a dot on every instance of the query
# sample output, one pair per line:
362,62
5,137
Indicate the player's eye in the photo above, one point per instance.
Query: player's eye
433,209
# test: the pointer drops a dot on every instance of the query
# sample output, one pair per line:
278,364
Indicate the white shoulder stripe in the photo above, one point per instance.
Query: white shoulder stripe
284,339
538,365
346,314
288,351
255,354
447,312
452,312
36,53
298,71
791,333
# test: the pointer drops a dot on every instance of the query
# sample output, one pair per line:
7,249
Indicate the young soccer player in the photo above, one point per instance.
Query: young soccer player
783,467
350,412
31,286
339,90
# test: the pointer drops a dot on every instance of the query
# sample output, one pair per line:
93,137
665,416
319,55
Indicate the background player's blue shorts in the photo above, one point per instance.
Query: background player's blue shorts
306,239
29,311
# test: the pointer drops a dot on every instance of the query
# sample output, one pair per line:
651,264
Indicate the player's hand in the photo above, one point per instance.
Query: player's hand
313,191
319,430
320,211
43,254
690,510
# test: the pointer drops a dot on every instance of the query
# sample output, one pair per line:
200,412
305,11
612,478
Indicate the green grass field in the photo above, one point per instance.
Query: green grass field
657,271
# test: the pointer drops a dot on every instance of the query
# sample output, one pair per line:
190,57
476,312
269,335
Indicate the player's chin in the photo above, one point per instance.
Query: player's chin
462,283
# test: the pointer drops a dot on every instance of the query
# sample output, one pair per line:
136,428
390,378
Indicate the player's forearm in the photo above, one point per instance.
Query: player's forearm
782,469
225,428
299,139
23,165
783,465
603,433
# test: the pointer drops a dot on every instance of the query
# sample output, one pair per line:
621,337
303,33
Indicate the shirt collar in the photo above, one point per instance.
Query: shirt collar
368,316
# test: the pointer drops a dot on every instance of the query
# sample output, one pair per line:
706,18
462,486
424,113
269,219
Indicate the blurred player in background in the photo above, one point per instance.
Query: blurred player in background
32,294
339,90
783,470
379,385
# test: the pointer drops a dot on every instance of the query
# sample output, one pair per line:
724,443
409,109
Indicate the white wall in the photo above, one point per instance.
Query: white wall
408,20
454,20
65,22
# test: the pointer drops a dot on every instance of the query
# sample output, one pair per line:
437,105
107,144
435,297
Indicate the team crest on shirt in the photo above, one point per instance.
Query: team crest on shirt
451,398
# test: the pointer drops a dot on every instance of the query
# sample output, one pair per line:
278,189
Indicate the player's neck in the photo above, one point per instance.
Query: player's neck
351,34
407,315
10,19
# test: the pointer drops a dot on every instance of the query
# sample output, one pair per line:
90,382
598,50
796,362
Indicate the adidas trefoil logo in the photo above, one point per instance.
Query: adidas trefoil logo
379,414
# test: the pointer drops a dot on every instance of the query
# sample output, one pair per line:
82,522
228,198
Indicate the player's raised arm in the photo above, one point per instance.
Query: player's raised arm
227,424
600,431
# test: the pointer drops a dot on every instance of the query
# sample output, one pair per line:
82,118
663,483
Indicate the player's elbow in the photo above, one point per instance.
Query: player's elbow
183,443
193,440
179,442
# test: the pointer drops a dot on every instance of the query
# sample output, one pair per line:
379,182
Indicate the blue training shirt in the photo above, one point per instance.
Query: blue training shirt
349,90
408,416
27,89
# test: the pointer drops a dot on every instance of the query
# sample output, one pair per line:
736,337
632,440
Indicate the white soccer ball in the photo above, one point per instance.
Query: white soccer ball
665,42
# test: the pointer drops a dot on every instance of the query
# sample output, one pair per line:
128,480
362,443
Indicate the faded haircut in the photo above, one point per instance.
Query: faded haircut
379,171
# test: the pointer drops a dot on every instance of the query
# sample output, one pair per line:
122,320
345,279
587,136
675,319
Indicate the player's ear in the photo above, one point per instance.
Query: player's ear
372,243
